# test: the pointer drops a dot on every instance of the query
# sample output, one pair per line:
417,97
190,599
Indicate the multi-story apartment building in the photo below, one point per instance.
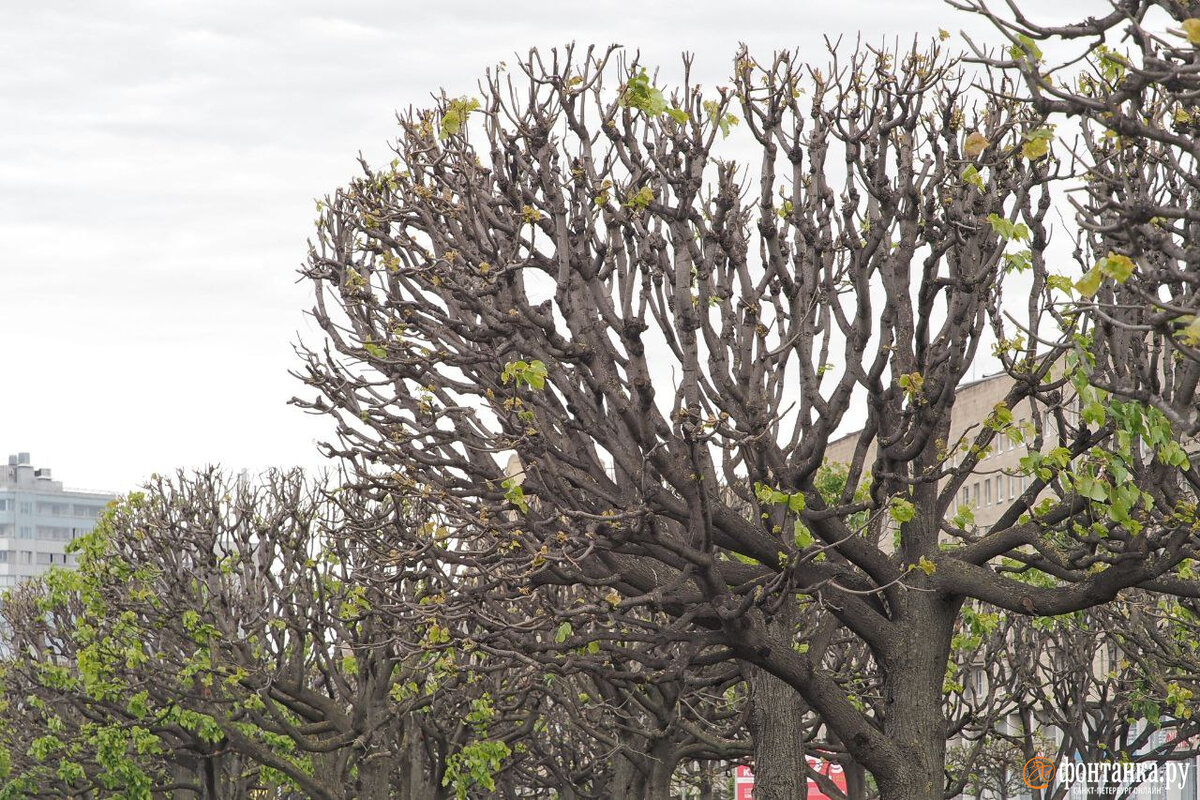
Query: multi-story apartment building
995,482
38,517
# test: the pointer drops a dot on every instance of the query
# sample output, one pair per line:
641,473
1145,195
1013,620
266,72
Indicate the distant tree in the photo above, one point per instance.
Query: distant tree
1094,679
214,643
577,268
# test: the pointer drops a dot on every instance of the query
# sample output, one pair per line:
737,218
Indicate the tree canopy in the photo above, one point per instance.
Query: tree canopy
648,401
579,268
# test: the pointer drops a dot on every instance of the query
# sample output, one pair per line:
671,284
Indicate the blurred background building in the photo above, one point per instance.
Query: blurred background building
38,517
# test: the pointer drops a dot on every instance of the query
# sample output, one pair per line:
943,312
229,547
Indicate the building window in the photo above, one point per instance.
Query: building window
26,532
999,488
975,490
5,504
54,533
26,557
987,492
26,508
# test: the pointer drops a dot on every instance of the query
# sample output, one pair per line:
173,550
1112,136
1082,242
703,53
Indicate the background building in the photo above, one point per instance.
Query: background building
38,518
996,480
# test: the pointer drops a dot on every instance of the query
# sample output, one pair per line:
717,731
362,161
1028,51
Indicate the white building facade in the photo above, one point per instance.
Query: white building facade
38,517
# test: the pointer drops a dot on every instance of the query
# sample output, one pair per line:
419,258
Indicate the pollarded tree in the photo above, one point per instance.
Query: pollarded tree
1137,105
221,622
668,329
1092,686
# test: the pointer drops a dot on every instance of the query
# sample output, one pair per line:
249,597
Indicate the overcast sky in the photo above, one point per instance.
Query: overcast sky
159,163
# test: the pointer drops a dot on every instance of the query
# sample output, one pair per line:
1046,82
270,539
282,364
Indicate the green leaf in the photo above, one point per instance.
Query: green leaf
640,94
963,517
1000,418
640,200
535,376
1089,284
475,765
375,349
971,177
912,384
1094,413
804,537
902,510
1089,487
1060,282
1018,262
1025,47
926,566
1173,454
723,121
678,114
563,633
1037,143
1190,333
456,114
1117,267
531,373
514,494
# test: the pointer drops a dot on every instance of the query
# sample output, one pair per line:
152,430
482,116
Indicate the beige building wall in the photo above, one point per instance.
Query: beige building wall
989,491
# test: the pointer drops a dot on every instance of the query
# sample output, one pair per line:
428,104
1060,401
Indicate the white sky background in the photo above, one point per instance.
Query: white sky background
159,164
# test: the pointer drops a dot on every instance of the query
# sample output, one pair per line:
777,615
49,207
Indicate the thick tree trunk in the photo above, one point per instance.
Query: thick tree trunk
374,778
627,779
776,724
776,716
913,678
420,774
663,761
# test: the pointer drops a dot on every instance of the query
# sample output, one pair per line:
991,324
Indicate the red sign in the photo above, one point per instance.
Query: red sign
743,780
743,783
830,770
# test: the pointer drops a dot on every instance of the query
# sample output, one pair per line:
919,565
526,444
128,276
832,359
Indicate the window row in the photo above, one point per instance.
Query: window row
30,557
993,490
52,509
50,533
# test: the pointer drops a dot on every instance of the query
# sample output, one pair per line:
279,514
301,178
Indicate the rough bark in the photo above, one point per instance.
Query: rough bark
777,726
912,684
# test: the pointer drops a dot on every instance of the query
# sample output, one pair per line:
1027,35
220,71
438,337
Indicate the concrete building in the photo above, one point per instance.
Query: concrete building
38,517
996,481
